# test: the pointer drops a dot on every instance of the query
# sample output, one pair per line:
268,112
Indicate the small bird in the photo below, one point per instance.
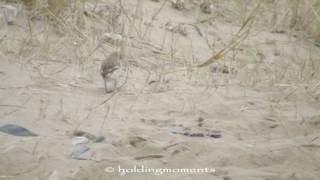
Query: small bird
108,66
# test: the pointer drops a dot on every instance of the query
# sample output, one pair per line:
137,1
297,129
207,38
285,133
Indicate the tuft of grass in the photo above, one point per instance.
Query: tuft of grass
241,35
29,3
58,6
316,27
54,6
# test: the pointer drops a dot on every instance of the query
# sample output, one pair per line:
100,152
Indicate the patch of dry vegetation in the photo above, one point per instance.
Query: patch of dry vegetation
80,27
58,6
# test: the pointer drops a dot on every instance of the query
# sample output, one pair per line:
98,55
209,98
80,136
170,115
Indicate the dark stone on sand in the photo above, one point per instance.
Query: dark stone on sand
16,130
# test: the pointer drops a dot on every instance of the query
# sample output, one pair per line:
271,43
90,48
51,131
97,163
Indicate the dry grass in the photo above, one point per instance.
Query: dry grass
296,15
284,15
73,24
55,6
58,6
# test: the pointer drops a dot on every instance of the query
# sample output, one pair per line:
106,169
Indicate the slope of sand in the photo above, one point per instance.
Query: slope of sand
263,98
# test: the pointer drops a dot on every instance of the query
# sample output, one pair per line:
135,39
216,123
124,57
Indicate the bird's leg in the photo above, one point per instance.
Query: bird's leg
105,85
115,84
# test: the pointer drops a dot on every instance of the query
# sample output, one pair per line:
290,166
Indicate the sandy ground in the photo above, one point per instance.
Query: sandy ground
263,98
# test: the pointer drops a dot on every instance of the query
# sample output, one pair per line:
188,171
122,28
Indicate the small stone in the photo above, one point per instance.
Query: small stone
79,140
112,38
178,4
196,135
79,150
177,28
225,70
99,139
16,130
206,6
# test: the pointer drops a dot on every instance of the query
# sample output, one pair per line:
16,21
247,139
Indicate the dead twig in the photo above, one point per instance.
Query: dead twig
17,109
153,18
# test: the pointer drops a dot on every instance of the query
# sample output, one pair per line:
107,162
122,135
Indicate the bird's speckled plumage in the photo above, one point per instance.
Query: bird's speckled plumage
108,66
